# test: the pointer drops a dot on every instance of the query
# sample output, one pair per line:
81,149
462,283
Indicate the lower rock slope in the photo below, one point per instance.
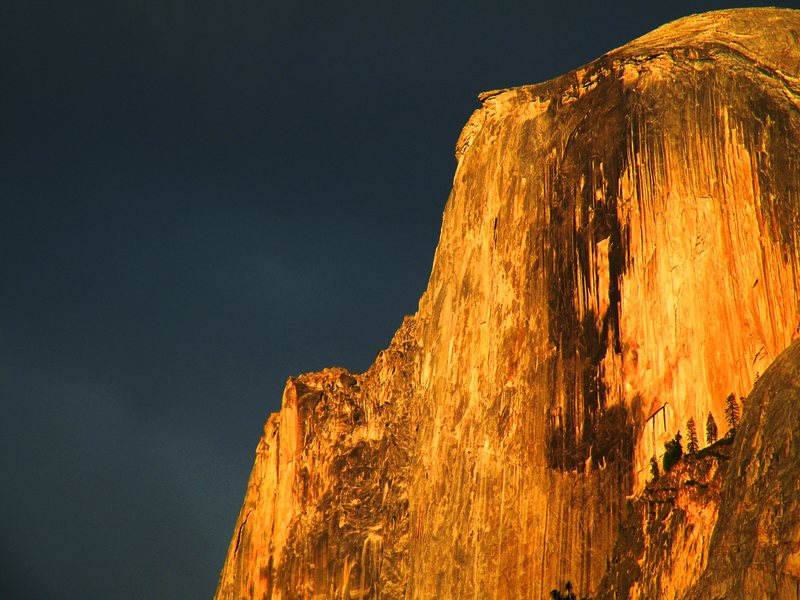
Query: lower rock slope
724,523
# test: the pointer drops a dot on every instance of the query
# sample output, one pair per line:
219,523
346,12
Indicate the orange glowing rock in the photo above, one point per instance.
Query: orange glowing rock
620,251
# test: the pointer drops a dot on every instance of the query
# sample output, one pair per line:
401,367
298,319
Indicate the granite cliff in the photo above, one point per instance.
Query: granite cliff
620,251
725,521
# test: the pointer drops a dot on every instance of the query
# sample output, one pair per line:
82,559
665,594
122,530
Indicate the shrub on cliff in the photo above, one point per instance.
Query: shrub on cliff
654,468
711,429
567,595
673,450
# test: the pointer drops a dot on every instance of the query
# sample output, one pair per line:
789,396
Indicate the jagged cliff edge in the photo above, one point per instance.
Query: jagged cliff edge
619,253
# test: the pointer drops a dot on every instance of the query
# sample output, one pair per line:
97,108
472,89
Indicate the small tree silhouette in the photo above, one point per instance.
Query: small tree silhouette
568,595
673,450
711,429
654,468
691,436
731,413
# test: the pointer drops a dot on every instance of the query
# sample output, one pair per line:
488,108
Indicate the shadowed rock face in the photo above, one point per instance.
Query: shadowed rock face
724,523
619,253
755,549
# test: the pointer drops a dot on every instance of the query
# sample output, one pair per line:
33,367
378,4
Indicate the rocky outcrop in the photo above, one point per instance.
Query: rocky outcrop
661,548
619,253
326,510
724,522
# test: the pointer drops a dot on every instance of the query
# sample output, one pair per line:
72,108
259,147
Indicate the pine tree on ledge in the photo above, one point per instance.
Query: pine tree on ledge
711,429
731,414
691,436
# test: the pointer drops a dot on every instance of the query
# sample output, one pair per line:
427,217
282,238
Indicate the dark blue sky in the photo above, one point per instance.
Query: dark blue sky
200,199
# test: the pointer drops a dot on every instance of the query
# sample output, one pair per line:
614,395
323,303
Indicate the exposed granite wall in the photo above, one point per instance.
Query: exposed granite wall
621,243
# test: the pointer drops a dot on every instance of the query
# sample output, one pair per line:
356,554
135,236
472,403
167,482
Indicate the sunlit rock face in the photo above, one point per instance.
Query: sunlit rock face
326,510
619,253
724,523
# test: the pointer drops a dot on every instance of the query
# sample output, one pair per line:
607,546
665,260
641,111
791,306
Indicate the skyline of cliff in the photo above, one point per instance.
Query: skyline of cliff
201,202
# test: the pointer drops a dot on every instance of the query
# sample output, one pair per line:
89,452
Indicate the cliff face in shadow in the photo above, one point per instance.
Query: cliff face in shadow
755,548
619,253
